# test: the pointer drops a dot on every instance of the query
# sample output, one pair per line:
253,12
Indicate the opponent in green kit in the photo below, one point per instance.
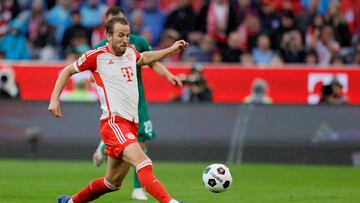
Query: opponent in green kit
146,130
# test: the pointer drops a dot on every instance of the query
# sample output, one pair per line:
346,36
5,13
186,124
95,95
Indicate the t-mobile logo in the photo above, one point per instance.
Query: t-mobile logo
127,73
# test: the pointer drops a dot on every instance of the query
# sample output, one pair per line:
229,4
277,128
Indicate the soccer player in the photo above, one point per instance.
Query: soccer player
146,131
113,67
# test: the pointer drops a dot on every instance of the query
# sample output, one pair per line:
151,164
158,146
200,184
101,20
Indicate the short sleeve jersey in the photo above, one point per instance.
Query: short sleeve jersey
116,80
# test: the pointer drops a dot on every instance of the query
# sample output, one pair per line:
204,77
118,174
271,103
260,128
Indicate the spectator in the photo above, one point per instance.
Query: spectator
200,53
8,87
356,47
355,53
130,5
313,32
340,27
356,36
270,20
216,56
292,47
196,89
263,55
76,30
137,21
154,20
287,25
59,17
333,93
91,13
244,9
169,37
259,93
216,19
77,38
356,59
233,52
247,59
8,11
182,19
31,19
311,57
306,18
14,44
99,33
349,9
327,46
337,61
44,45
249,30
77,48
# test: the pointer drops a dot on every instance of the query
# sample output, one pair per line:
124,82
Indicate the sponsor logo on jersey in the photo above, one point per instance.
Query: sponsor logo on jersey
110,62
127,73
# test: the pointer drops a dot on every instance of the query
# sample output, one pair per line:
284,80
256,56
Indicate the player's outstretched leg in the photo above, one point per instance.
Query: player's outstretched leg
134,155
94,190
150,183
138,191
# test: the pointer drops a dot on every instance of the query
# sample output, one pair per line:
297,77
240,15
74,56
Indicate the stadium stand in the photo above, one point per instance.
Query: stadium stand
296,29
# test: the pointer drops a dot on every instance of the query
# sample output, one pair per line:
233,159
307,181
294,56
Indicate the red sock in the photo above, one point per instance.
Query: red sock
150,183
95,189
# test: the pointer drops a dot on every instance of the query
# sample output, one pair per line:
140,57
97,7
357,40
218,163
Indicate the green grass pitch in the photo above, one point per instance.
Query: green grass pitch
42,181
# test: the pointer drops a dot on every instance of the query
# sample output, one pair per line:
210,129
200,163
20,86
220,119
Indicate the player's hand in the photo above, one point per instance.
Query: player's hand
54,107
174,80
180,45
97,158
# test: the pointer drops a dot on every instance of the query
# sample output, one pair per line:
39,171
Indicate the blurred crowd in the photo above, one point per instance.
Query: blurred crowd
247,32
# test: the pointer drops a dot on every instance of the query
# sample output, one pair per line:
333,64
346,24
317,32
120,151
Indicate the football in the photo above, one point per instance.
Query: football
217,178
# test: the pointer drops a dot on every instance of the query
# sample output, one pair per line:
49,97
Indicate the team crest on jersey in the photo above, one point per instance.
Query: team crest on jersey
129,57
130,135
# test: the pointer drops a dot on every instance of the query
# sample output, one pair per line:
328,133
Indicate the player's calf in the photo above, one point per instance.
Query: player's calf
94,190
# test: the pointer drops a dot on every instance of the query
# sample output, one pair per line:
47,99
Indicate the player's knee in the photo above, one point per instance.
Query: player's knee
143,164
138,158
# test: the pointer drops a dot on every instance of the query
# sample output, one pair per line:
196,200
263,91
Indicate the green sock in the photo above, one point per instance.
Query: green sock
136,178
136,181
102,147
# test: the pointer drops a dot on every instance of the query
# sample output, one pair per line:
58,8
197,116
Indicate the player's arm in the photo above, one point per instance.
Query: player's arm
160,69
86,62
149,57
66,73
